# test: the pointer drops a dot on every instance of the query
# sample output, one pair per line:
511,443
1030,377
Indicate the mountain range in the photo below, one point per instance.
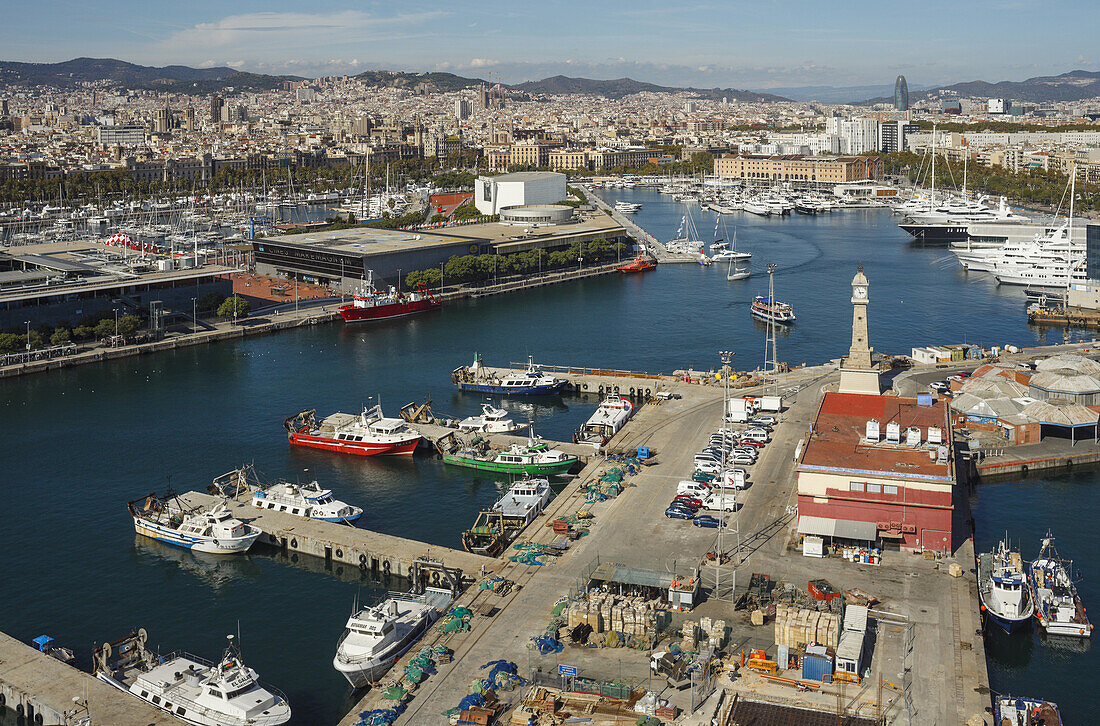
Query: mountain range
180,79
1071,86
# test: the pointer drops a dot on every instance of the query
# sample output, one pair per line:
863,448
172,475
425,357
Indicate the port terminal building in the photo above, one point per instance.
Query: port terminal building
64,282
879,469
343,257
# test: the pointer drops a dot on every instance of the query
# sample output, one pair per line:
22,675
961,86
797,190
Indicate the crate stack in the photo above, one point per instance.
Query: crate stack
690,635
714,631
798,627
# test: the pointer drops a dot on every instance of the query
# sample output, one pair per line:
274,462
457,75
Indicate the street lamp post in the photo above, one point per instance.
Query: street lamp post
116,322
195,312
28,335
726,356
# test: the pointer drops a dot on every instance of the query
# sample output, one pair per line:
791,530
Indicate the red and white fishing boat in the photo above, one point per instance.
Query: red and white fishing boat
368,434
370,304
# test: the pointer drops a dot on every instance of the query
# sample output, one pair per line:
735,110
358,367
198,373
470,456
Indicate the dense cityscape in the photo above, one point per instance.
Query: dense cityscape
467,393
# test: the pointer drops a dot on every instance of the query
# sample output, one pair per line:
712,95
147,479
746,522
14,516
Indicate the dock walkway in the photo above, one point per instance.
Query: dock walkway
655,246
363,548
37,685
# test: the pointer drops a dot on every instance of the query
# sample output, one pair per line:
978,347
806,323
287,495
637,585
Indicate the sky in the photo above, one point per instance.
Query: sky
760,44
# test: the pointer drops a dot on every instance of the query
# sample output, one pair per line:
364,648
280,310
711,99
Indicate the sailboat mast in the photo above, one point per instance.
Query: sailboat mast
932,203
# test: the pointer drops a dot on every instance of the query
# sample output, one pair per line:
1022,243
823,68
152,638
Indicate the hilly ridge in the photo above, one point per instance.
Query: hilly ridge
67,74
1071,86
619,87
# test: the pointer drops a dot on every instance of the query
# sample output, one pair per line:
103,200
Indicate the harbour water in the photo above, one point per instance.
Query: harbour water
79,443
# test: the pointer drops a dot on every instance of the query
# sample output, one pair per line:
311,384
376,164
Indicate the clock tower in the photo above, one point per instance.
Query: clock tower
857,372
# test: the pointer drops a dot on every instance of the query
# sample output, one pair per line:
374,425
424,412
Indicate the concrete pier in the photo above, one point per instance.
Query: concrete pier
370,551
42,688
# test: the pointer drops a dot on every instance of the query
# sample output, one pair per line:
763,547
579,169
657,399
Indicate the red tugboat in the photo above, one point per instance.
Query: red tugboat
639,264
368,434
370,304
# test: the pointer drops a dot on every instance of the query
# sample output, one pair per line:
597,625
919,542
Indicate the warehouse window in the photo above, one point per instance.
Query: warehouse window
874,488
889,489
855,486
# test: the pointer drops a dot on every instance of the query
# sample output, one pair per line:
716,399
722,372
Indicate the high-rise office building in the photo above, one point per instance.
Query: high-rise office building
901,94
1092,252
893,136
462,109
3,107
216,104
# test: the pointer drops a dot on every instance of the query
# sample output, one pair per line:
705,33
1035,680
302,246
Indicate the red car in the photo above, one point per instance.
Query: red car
750,442
686,499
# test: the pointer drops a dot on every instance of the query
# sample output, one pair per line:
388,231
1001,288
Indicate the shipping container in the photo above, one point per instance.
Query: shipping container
816,667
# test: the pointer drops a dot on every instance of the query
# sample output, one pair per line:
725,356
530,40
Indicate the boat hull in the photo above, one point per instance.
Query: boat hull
404,447
1009,625
538,390
557,467
209,545
370,671
352,314
937,233
765,317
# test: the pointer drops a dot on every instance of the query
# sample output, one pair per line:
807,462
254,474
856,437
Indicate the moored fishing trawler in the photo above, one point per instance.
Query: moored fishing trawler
375,637
1024,711
1002,588
524,501
370,304
531,382
767,308
214,530
536,458
190,688
610,416
305,500
368,434
488,536
1058,607
491,421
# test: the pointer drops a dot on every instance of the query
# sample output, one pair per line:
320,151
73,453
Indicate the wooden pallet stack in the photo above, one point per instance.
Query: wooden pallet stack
798,627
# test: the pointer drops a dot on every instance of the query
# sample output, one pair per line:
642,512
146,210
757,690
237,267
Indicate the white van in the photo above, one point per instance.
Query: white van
693,489
755,435
709,466
723,501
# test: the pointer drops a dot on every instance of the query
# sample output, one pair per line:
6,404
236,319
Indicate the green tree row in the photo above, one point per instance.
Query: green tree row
478,268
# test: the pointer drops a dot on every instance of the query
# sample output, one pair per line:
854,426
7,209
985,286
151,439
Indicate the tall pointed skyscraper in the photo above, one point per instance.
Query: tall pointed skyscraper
901,94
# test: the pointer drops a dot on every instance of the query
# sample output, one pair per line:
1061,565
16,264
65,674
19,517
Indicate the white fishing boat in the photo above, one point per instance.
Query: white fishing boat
1002,587
214,530
491,421
524,500
191,689
1058,607
305,500
610,416
375,637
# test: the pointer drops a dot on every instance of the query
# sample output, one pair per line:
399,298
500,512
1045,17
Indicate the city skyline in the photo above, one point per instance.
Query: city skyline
740,45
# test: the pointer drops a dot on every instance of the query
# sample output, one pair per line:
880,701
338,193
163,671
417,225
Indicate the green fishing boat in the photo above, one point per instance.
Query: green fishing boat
531,460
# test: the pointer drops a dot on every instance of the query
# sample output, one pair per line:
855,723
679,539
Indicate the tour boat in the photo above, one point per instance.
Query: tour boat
535,458
1058,607
1002,588
368,434
375,637
524,500
766,308
370,304
191,689
628,207
212,530
638,264
1024,711
531,382
305,500
491,421
610,416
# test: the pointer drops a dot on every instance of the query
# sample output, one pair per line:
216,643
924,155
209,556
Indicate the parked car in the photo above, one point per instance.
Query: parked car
702,476
692,489
756,434
743,459
688,500
770,420
751,442
710,467
705,520
679,513
939,386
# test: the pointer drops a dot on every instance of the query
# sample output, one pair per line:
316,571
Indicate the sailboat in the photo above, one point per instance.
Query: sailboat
739,273
732,254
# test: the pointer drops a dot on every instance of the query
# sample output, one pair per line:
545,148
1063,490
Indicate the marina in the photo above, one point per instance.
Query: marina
266,375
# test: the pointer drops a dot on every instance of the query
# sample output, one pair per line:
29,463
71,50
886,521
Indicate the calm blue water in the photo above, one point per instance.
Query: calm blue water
80,443
1027,663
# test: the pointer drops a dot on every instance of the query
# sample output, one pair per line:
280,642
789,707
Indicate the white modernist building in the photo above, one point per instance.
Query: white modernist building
494,193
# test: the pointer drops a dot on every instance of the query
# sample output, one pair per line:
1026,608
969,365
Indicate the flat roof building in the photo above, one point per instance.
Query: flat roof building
494,193
343,257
